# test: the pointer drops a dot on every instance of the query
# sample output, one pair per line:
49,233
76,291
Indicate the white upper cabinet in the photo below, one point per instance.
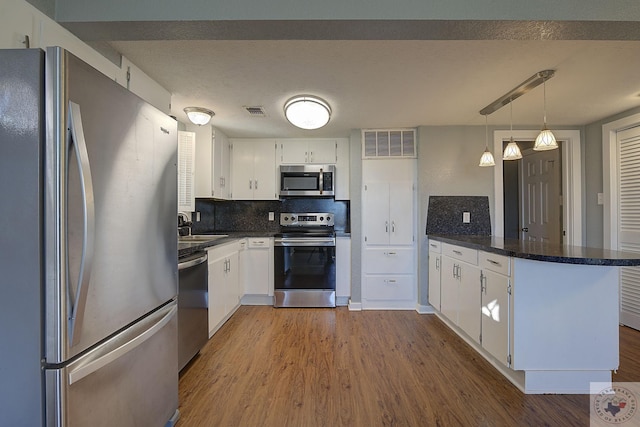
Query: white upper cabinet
186,171
212,162
253,169
389,215
301,151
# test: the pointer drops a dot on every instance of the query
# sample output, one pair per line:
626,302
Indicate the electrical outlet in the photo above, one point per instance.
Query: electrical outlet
271,216
197,216
600,198
466,217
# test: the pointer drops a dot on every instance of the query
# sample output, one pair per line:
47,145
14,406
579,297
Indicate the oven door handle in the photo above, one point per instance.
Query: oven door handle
304,241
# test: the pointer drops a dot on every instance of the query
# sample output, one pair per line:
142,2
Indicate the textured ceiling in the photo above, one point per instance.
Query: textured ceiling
390,83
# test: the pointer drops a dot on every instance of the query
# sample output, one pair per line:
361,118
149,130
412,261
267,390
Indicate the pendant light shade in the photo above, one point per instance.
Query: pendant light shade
546,140
199,116
511,151
307,112
487,157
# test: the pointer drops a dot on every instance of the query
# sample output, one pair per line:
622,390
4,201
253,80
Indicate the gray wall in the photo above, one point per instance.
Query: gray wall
355,186
448,158
592,178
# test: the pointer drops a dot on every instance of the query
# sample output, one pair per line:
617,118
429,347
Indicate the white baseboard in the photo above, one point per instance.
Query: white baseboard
355,306
256,300
425,309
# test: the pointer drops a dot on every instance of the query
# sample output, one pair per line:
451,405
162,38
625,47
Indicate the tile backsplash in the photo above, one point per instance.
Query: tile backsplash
445,215
253,215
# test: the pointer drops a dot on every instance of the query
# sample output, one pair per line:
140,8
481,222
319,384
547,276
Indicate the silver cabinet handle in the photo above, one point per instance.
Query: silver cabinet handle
437,263
250,184
393,226
77,141
256,184
433,245
494,262
457,252
391,281
386,226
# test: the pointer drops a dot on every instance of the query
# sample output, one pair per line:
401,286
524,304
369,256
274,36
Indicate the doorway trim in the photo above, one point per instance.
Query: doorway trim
610,177
571,180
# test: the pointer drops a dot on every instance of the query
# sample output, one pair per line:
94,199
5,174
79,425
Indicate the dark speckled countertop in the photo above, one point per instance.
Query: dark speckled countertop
539,251
188,248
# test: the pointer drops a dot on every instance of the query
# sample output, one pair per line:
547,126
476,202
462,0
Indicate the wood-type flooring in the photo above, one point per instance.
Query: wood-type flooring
332,367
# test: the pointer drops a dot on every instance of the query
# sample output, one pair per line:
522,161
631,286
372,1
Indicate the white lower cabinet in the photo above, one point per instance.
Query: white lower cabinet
258,277
385,288
224,289
474,295
343,270
495,315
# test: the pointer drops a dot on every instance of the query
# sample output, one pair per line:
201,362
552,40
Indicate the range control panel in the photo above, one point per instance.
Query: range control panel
306,219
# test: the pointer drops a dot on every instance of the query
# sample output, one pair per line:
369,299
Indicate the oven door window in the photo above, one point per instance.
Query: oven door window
300,182
305,267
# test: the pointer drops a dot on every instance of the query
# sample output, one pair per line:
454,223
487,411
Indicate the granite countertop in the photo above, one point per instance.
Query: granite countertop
188,248
539,251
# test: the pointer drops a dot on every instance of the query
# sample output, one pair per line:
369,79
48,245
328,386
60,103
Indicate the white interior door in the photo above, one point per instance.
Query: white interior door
628,142
540,196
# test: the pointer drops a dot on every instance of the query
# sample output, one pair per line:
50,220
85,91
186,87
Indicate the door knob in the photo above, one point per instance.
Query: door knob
525,229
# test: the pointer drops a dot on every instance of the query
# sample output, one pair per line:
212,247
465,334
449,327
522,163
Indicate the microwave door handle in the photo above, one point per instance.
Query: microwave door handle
321,181
77,141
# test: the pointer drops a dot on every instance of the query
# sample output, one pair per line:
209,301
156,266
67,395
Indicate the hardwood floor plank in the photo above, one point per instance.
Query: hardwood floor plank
332,367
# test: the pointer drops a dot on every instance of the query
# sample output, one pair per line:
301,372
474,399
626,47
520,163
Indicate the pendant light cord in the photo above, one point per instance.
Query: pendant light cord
544,100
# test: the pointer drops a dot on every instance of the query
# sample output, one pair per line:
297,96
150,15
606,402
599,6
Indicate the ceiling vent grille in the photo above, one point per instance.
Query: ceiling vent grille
256,111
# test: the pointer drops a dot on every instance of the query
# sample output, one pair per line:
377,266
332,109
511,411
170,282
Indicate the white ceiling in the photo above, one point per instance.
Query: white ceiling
403,83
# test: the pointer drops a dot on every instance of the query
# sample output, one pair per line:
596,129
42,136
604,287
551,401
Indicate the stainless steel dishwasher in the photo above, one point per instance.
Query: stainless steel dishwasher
193,329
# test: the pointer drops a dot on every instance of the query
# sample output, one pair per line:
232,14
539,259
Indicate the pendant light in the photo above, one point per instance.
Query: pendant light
512,151
546,140
487,157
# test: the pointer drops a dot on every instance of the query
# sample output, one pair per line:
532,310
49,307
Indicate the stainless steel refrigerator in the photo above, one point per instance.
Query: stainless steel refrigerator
88,248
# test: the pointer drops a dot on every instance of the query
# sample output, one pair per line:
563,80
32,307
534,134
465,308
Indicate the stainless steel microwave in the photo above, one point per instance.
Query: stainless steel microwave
307,180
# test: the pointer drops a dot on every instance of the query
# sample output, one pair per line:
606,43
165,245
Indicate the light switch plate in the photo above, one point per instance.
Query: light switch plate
601,198
466,217
271,216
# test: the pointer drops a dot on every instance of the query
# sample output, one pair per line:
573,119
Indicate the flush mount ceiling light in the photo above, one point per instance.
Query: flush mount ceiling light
487,157
511,151
546,140
307,112
199,116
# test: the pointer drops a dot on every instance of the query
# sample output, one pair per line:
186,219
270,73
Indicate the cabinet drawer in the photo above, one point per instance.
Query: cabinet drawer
258,242
435,246
388,288
494,262
388,261
461,253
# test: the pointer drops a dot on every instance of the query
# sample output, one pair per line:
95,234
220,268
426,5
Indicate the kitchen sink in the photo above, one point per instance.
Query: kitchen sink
200,238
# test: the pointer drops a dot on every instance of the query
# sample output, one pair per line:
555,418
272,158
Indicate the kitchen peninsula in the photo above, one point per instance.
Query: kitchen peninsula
546,316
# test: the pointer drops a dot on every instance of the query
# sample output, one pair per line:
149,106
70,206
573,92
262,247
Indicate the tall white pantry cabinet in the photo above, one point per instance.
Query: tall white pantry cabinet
389,233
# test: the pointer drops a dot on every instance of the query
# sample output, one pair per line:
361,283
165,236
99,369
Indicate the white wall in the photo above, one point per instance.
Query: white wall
19,19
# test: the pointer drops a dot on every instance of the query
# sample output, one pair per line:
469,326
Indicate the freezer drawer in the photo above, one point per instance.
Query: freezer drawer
130,380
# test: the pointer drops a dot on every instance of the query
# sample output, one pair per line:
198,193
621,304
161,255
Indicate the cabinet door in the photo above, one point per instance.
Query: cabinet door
257,272
264,170
376,213
322,152
495,315
400,213
343,266
435,268
221,161
293,151
449,289
217,278
469,300
186,171
204,160
242,171
232,283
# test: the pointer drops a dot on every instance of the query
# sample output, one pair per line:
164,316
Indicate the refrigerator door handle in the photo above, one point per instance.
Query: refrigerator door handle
106,355
77,141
